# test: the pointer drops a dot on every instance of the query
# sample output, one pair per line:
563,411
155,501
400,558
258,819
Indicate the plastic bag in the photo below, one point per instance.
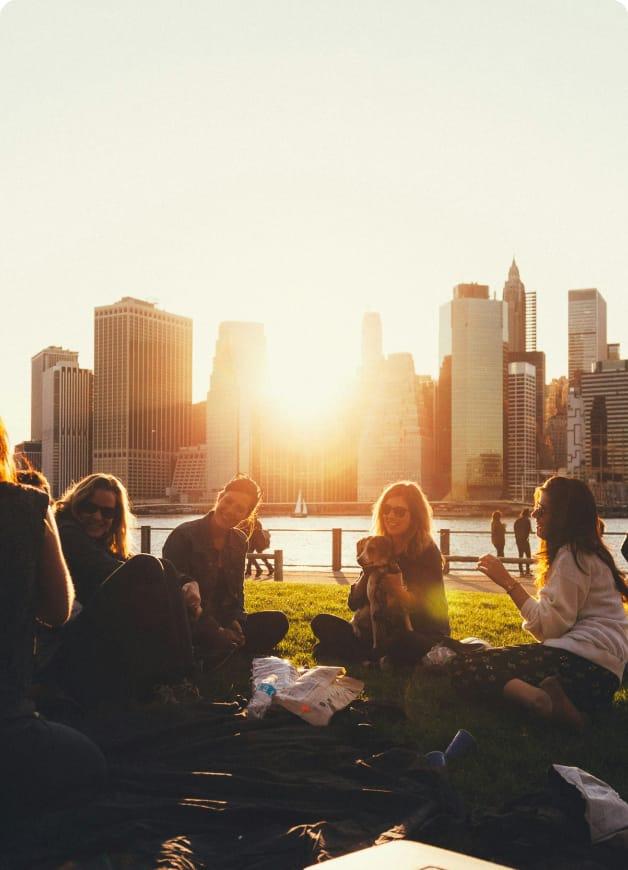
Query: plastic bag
318,693
314,694
437,656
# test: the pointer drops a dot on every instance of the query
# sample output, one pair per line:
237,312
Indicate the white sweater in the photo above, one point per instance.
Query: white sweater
580,611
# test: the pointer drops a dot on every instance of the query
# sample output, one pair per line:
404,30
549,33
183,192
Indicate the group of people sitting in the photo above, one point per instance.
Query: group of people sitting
111,625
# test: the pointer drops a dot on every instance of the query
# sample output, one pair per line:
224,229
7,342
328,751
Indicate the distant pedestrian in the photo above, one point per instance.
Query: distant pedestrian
498,533
522,528
259,541
624,548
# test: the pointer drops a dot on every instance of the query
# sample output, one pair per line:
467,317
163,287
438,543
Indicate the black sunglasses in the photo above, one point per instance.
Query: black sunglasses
88,507
398,512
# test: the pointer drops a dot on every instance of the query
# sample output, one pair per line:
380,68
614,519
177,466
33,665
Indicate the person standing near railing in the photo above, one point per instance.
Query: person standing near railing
522,529
498,533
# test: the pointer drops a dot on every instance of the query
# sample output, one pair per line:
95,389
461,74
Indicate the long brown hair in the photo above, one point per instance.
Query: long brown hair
7,466
419,535
573,521
117,540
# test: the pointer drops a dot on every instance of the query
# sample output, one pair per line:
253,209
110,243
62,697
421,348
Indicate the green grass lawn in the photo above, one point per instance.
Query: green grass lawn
514,750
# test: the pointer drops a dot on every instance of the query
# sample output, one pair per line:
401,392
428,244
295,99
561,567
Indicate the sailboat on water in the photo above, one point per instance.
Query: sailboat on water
300,508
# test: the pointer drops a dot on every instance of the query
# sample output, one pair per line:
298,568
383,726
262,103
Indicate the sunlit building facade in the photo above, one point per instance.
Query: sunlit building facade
235,392
474,333
531,320
67,424
389,445
605,400
522,469
587,332
142,394
43,360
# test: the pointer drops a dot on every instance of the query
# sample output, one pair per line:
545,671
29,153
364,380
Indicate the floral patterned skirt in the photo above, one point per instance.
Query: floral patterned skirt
589,686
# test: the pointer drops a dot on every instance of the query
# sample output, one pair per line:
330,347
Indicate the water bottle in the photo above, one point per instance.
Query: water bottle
262,697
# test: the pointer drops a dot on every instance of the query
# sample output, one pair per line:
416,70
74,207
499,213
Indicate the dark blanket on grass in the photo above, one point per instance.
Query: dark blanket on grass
200,786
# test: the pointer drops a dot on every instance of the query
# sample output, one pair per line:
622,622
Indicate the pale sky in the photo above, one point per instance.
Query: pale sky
298,163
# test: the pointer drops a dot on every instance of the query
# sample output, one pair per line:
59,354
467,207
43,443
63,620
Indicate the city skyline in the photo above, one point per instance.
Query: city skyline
300,164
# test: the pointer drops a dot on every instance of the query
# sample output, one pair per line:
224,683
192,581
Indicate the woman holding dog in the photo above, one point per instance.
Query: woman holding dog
578,617
403,514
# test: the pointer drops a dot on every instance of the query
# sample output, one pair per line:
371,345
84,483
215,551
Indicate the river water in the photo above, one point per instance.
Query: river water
307,542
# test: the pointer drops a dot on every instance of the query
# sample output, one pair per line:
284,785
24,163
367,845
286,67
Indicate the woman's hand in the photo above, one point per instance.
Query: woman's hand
229,637
492,568
192,599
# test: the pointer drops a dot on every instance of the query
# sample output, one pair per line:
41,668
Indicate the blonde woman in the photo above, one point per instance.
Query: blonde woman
132,631
403,514
41,762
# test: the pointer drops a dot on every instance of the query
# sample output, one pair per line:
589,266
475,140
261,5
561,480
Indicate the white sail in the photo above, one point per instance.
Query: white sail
300,508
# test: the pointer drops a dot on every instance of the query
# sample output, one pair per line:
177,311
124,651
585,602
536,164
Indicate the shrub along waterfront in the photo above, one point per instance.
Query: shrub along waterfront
514,750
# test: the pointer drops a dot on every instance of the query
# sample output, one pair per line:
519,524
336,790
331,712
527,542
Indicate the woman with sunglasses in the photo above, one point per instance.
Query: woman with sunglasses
42,763
132,631
578,617
403,514
211,553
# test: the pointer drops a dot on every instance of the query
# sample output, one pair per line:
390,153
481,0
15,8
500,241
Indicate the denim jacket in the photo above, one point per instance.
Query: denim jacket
219,573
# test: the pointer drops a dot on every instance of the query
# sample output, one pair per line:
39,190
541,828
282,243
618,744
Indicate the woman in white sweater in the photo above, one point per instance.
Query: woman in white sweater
578,617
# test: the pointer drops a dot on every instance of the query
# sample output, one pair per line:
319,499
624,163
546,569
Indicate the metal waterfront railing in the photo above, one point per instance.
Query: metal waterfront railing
277,556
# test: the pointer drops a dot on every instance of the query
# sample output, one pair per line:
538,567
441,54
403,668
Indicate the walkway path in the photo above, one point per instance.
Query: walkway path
466,581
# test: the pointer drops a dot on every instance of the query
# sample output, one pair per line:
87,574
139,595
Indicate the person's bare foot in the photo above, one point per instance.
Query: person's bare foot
563,709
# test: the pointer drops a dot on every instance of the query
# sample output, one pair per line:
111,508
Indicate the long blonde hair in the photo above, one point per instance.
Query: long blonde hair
7,466
77,493
419,535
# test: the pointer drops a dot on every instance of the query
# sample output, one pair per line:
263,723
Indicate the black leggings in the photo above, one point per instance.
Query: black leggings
132,635
336,639
262,632
589,686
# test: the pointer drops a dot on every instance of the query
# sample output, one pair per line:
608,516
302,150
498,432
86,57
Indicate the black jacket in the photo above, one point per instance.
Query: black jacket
423,577
89,561
522,529
219,574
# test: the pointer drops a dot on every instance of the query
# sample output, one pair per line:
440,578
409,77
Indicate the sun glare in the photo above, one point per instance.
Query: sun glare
307,392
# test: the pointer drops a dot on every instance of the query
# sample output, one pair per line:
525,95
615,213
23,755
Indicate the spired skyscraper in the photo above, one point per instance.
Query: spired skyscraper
515,297
474,334
237,379
142,393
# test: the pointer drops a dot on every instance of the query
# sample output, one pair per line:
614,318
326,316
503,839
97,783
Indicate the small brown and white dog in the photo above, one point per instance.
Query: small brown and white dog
382,615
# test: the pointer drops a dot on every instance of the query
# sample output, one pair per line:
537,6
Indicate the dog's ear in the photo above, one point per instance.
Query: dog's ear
361,544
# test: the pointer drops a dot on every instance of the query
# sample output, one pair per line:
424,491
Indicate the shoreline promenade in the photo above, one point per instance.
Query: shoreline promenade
460,581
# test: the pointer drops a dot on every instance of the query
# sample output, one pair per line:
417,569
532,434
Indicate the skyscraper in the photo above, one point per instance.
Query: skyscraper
536,359
372,342
515,298
587,332
142,393
531,320
605,400
234,393
67,424
389,446
43,360
521,430
474,332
